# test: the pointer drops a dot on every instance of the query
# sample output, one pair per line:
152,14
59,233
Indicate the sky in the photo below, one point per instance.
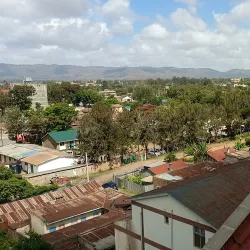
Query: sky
156,33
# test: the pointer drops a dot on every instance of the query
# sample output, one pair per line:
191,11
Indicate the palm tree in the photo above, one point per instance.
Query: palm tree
198,151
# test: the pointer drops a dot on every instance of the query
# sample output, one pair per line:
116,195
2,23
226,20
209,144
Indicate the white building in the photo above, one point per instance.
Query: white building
34,158
127,99
186,214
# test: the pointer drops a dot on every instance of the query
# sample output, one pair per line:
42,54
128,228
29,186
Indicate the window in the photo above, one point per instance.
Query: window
73,221
52,229
199,237
61,144
96,213
84,218
166,220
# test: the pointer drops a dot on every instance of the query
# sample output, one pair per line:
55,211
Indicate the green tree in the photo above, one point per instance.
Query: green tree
5,242
86,97
34,242
56,93
4,102
170,157
59,116
98,133
199,151
14,121
21,96
110,101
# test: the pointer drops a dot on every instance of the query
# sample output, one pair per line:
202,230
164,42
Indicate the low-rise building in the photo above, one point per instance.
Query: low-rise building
186,214
127,99
33,158
219,155
68,218
61,140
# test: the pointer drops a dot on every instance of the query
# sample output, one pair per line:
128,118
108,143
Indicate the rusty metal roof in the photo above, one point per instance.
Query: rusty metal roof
17,213
101,238
220,154
39,158
213,196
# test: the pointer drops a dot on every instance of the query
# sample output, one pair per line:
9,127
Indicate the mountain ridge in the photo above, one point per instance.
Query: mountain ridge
74,72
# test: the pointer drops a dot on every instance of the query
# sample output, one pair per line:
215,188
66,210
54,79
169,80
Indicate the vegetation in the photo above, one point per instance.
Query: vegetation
198,151
13,187
33,242
170,157
137,179
239,146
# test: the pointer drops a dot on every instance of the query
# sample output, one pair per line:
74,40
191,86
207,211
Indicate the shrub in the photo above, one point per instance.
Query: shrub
239,145
137,179
170,157
189,159
247,141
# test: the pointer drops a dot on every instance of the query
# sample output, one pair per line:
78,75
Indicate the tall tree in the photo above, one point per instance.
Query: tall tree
14,121
98,133
21,96
86,97
59,116
4,102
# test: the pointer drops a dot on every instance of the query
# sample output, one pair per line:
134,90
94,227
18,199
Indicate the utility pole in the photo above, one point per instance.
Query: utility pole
87,167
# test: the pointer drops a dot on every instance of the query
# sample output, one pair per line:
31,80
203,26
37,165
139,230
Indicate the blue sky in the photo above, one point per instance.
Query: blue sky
176,33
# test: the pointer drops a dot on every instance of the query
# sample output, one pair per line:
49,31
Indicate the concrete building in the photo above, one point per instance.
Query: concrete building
61,140
127,99
34,158
186,214
41,95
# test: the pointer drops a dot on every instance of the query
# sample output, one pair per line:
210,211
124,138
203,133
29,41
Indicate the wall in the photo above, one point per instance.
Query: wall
54,164
41,228
48,142
41,94
156,229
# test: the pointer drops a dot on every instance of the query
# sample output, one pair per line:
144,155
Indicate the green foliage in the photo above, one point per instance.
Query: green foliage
239,146
5,242
189,159
137,179
59,116
13,187
34,242
198,151
14,121
110,101
87,97
170,157
247,141
21,96
4,102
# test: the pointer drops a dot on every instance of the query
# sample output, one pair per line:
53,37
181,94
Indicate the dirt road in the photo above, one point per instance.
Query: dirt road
108,175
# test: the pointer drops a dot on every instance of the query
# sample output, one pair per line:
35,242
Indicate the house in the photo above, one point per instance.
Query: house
107,93
68,217
61,140
117,108
186,214
234,234
146,107
32,158
4,91
185,173
219,154
164,167
236,156
81,113
127,99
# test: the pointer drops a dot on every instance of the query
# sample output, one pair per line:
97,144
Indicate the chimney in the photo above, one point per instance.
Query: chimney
170,167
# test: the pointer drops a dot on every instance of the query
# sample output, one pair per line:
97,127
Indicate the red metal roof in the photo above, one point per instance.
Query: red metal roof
17,213
220,154
166,167
5,91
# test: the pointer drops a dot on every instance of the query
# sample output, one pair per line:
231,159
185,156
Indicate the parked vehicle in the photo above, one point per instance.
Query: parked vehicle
110,184
154,152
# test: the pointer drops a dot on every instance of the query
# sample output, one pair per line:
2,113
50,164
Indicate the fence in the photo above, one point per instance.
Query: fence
136,188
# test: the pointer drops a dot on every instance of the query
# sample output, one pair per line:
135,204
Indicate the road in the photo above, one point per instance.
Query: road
108,175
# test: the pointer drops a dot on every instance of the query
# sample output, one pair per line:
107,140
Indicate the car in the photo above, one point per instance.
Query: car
154,152
110,184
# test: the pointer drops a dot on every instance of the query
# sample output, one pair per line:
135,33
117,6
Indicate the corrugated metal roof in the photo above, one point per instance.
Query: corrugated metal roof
154,164
39,158
166,167
220,154
17,213
62,136
214,195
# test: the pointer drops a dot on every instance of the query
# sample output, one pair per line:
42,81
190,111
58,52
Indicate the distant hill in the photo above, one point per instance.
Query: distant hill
70,72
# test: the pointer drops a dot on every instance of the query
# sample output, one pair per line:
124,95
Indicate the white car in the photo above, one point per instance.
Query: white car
154,152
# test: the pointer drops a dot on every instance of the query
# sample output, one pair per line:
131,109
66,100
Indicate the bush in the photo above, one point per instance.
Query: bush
137,179
222,140
170,157
247,141
189,159
239,146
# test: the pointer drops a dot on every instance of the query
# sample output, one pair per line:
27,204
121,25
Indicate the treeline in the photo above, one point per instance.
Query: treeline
191,113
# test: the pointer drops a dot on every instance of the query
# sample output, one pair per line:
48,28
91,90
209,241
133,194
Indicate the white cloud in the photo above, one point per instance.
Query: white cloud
84,33
182,19
192,4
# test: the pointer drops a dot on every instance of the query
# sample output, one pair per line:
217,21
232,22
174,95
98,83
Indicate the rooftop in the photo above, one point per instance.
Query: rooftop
20,151
62,136
154,164
240,155
234,234
213,196
220,154
17,213
167,167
